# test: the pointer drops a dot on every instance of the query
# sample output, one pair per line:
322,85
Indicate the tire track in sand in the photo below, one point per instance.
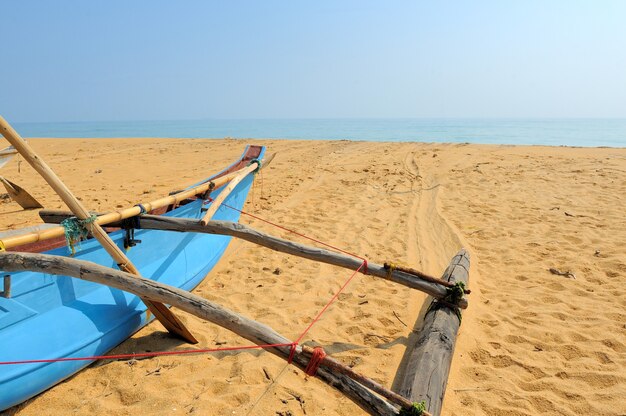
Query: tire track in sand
435,240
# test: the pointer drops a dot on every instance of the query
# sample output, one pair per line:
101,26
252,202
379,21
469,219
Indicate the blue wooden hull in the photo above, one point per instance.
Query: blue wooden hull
58,316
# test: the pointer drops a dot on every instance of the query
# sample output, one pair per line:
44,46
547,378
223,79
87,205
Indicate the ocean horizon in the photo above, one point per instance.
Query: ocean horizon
581,132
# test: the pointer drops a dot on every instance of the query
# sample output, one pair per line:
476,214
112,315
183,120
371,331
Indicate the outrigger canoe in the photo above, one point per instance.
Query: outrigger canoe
51,317
6,155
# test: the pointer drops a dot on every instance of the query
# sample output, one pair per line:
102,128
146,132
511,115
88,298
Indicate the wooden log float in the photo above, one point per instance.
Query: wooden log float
160,311
241,231
217,202
429,363
256,332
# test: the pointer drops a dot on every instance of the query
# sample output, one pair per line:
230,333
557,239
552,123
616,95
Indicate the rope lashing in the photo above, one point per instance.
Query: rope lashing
292,352
418,409
453,295
316,359
258,168
76,230
206,196
142,209
390,268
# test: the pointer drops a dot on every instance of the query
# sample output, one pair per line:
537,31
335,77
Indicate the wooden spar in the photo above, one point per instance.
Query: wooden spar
160,311
335,365
18,240
253,331
267,160
19,195
422,276
244,232
217,202
432,355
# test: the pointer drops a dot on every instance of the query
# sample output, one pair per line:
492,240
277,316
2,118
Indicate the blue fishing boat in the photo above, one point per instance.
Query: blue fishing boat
49,317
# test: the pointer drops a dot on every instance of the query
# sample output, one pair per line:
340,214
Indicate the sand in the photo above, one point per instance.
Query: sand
531,342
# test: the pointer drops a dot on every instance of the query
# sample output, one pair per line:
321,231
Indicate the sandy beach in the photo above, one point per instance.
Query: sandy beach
531,342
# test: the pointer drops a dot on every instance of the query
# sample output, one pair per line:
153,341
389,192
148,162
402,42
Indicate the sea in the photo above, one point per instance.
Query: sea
552,132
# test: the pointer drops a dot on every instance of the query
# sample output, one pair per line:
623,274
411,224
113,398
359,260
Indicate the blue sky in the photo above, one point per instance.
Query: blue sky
152,60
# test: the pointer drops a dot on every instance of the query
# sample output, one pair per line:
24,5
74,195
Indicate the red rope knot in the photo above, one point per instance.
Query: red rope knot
292,352
364,266
316,359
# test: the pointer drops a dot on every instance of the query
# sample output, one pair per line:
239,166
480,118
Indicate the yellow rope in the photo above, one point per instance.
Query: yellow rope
2,246
390,269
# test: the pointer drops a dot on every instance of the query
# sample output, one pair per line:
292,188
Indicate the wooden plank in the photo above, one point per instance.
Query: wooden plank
217,202
161,312
19,195
426,374
251,330
241,231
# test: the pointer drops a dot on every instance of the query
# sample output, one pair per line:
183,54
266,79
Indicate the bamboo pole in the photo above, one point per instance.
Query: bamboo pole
253,331
434,287
217,202
18,240
160,311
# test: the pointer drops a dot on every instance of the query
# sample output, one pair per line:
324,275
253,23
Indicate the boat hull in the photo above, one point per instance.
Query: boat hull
49,317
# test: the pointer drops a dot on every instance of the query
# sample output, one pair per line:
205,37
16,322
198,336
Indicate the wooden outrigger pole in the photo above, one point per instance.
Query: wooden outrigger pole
436,288
358,388
160,311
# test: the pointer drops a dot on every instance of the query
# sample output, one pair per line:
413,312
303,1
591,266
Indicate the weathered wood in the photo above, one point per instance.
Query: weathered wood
19,195
422,275
253,331
241,231
267,160
429,363
244,232
341,368
161,312
217,202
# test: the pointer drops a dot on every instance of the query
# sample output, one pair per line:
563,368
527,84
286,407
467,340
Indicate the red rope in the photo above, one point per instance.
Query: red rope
299,234
330,302
316,359
311,368
292,352
144,354
362,267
